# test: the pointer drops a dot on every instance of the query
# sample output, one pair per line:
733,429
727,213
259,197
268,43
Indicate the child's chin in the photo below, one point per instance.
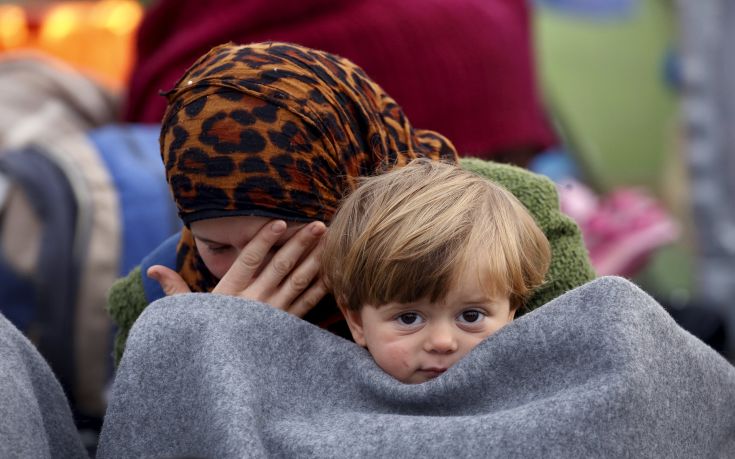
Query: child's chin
422,376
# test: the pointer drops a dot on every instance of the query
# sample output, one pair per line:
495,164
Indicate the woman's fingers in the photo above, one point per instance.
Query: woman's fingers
289,264
308,299
290,279
300,279
250,258
169,280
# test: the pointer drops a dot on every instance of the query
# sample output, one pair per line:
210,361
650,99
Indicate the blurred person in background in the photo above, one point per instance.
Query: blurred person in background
74,187
464,68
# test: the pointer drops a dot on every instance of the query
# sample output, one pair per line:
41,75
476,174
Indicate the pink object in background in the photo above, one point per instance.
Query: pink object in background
621,230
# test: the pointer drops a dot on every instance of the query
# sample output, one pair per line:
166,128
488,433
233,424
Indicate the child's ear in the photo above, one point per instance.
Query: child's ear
354,321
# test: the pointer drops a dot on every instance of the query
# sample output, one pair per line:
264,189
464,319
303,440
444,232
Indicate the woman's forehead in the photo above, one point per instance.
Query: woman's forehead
232,229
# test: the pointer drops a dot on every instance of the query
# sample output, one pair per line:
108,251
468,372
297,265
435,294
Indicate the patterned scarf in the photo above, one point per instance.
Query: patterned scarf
278,130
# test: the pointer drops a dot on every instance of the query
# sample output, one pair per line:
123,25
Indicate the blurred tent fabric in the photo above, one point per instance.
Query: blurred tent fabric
606,82
449,64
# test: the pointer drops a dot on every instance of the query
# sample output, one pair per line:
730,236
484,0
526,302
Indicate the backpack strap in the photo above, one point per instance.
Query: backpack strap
56,276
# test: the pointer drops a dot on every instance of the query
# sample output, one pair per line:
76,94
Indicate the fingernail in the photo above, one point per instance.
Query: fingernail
317,228
278,226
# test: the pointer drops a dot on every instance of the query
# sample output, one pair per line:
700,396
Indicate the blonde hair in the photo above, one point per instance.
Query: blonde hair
410,233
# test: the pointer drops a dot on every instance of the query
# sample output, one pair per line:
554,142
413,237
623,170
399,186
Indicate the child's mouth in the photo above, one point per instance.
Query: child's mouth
432,372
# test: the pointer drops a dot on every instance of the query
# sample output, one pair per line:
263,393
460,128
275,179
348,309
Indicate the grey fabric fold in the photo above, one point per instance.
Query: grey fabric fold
35,420
600,371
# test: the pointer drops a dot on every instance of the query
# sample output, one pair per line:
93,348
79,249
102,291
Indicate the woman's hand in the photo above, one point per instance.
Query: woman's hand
289,280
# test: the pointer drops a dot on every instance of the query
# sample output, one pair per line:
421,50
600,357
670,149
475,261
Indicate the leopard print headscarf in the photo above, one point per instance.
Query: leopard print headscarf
277,130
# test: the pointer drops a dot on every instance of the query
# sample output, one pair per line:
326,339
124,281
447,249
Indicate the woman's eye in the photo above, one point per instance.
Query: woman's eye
218,248
471,316
409,318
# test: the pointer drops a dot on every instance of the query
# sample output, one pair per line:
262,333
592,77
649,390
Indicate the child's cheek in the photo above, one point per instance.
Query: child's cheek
400,356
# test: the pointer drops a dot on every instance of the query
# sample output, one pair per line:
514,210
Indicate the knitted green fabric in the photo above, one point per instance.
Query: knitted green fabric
125,302
570,266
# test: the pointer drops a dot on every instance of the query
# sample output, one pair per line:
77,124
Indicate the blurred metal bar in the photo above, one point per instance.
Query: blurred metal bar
708,72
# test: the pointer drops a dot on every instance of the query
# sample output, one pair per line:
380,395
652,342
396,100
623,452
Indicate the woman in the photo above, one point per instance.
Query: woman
278,131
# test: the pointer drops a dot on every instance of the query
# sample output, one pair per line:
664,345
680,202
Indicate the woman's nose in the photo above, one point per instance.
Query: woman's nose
441,339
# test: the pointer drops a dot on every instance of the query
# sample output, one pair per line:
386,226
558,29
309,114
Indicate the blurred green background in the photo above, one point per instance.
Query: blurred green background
604,82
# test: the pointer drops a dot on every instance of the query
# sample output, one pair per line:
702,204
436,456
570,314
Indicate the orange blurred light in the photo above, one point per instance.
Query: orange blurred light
119,17
97,37
13,27
61,22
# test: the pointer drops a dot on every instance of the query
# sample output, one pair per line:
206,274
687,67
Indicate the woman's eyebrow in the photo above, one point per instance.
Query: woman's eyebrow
205,240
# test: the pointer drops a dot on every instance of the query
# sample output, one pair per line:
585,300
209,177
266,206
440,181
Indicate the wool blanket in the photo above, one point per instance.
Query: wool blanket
601,371
35,420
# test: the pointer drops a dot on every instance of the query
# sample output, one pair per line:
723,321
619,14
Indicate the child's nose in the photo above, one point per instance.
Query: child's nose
441,340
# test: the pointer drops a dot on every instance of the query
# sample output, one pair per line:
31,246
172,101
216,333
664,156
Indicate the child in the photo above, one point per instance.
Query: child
426,261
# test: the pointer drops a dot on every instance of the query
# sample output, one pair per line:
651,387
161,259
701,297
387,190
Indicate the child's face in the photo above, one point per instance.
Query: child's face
220,240
418,341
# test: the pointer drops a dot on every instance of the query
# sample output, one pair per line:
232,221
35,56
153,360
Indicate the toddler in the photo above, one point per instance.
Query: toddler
426,261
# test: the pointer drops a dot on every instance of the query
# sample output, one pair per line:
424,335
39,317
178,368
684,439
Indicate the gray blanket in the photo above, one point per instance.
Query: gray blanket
600,371
35,420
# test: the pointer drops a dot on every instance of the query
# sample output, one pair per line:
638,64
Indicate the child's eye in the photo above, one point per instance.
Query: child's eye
471,316
409,318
